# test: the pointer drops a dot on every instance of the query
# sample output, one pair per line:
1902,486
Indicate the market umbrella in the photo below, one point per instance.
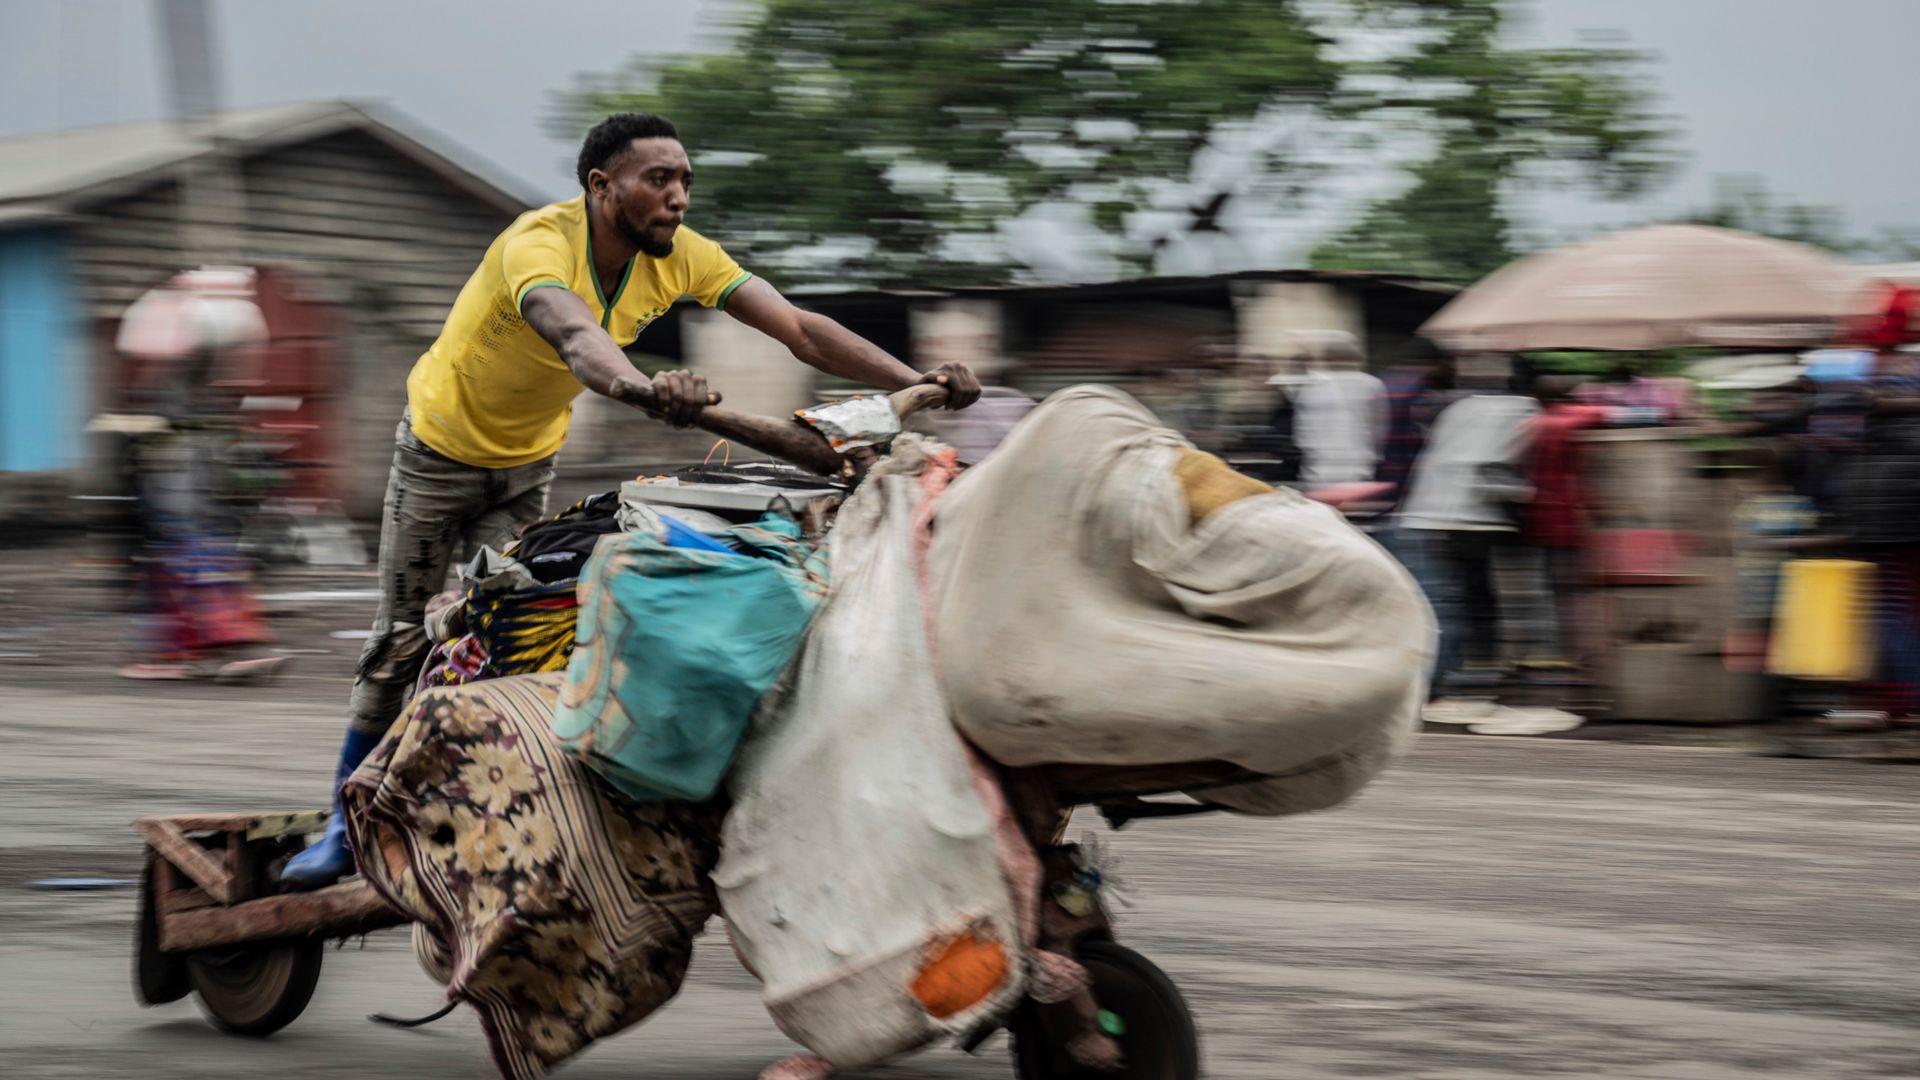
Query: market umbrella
1663,286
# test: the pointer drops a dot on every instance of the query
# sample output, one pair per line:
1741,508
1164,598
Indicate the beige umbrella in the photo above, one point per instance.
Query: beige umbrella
1663,286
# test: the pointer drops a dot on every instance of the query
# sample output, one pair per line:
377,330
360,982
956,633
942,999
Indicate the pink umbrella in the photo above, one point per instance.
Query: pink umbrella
1663,286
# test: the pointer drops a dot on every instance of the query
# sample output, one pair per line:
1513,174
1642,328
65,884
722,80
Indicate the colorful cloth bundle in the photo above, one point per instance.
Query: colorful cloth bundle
677,645
567,913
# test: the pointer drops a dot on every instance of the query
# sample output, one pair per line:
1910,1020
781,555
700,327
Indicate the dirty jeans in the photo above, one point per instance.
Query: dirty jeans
432,503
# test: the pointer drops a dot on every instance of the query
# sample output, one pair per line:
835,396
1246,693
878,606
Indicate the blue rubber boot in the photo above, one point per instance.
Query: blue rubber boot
331,859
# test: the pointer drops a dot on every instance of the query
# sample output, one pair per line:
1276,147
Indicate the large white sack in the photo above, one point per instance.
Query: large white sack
1079,617
856,838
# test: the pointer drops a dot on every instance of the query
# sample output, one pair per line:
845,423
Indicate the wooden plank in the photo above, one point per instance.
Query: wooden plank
197,822
366,152
325,241
332,242
273,822
346,185
361,217
335,911
349,150
239,867
191,859
181,898
334,173
168,892
301,822
346,207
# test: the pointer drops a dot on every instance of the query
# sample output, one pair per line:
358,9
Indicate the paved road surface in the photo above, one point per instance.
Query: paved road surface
1493,909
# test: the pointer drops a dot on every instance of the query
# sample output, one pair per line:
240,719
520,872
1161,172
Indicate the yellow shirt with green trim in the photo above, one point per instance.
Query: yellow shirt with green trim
491,392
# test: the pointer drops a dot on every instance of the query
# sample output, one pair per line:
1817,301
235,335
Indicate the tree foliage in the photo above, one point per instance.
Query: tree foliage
1745,203
890,140
1500,115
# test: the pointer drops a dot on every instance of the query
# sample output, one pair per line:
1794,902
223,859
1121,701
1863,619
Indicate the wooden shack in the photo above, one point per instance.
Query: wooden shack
378,223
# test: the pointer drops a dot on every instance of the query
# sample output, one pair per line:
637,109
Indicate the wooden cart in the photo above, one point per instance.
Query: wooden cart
214,922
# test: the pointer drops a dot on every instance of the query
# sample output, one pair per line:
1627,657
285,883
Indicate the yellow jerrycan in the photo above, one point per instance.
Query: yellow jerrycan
1823,620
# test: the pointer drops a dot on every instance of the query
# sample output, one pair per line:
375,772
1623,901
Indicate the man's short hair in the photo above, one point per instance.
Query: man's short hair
611,137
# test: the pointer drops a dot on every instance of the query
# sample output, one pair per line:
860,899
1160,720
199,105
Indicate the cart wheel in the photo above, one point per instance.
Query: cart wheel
1155,1030
256,989
157,977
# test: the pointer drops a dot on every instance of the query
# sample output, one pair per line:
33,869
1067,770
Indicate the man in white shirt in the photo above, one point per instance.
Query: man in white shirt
1340,418
1459,511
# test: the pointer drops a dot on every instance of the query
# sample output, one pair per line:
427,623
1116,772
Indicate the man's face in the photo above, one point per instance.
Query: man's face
647,188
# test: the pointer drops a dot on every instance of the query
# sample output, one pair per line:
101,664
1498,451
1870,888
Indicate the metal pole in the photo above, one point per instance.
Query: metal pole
211,208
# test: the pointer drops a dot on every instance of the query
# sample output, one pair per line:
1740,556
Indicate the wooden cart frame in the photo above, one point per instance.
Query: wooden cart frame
214,923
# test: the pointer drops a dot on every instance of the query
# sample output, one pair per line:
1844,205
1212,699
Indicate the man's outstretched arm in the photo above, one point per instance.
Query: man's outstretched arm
568,325
820,342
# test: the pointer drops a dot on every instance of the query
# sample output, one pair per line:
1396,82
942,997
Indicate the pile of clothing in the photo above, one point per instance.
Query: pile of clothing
548,890
516,614
680,634
518,610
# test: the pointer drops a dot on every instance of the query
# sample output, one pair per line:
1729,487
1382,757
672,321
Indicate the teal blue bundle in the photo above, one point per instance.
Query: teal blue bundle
675,647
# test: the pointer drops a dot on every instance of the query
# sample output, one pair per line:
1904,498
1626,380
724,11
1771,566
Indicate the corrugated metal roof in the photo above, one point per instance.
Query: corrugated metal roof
51,174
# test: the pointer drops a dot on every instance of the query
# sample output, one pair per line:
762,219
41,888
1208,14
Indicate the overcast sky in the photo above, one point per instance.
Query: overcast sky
1813,96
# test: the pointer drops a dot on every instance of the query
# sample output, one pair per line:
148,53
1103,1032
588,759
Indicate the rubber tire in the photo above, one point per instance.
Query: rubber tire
255,990
158,977
1160,1043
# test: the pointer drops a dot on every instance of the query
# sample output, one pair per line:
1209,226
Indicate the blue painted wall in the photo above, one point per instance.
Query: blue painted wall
42,354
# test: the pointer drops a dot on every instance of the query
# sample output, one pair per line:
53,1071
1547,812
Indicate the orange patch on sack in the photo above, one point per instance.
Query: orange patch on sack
961,971
1211,483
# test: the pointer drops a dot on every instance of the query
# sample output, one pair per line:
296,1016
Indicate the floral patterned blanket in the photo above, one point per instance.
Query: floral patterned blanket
565,913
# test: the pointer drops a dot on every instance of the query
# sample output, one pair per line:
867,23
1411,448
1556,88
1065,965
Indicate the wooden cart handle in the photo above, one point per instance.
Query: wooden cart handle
786,438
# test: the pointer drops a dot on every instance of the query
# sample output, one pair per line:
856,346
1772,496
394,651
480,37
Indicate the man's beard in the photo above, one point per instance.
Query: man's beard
640,238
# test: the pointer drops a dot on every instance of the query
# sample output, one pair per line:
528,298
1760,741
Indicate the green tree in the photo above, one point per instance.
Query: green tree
918,126
903,133
1450,225
1499,115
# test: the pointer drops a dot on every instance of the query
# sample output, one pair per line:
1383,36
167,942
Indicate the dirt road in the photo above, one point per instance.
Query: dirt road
1493,909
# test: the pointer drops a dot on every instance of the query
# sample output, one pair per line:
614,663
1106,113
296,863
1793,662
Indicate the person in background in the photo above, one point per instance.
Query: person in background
1278,438
1257,420
1417,389
1179,396
1340,417
188,344
1881,508
1771,523
1840,397
1639,400
1459,513
1779,414
1555,522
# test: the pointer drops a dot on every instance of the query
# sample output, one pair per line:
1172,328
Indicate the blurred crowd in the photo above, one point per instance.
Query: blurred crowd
1480,473
1477,472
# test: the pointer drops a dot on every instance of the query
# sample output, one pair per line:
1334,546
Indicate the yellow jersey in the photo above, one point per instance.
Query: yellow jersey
491,392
